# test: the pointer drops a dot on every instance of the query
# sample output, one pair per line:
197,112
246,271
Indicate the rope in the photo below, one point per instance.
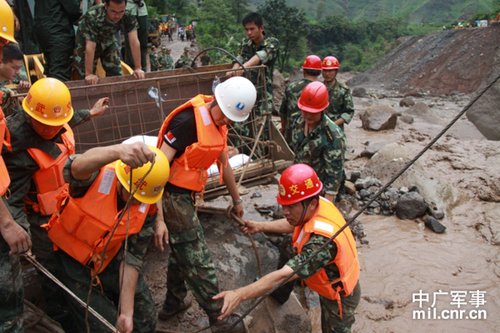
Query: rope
43,270
376,195
255,144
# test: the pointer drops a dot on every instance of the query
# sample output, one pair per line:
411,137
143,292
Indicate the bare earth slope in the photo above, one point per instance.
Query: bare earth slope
441,63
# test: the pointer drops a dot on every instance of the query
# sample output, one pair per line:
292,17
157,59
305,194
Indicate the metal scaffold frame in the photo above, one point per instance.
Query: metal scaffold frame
138,107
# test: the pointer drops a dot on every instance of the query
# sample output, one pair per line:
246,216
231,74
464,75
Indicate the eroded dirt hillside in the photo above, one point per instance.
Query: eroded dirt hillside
442,63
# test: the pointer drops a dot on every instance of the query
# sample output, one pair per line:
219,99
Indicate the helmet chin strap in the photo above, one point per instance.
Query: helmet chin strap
304,210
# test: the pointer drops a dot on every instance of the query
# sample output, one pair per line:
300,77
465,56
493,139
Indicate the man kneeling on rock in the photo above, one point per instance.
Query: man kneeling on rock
333,272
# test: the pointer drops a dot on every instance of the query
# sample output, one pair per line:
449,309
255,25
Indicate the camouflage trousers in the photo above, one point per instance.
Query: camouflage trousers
105,296
330,314
11,291
190,261
107,52
43,250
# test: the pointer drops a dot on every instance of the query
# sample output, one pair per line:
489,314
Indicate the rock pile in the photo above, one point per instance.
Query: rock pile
406,203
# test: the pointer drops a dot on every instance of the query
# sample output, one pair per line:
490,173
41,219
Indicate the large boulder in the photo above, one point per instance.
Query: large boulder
484,113
378,118
391,158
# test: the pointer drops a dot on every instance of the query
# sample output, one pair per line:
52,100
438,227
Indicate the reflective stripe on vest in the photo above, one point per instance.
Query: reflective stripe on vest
4,139
326,221
48,179
83,227
189,170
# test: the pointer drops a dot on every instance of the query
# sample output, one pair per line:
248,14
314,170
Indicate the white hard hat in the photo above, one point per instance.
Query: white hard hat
236,98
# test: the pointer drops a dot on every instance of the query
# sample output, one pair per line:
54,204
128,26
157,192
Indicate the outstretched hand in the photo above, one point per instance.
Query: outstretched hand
250,227
232,300
100,107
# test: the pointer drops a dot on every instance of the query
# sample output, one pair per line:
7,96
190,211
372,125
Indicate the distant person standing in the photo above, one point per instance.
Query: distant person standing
184,60
54,21
165,61
139,9
341,108
153,59
289,111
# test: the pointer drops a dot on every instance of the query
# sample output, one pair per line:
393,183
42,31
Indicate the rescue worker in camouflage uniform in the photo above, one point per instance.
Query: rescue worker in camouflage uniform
289,111
317,140
341,108
153,60
333,272
41,141
96,40
193,136
165,59
256,49
10,67
184,60
53,24
98,192
14,240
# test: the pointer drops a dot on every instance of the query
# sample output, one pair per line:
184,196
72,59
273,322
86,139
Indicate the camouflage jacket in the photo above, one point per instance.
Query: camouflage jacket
323,149
289,111
267,53
9,104
21,165
153,61
319,260
183,61
165,62
341,105
96,27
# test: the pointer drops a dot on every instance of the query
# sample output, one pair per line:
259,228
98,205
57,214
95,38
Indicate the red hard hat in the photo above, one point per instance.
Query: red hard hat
312,62
330,62
298,182
314,98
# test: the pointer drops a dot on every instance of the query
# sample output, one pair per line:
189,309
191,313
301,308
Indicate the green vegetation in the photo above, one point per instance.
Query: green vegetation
357,32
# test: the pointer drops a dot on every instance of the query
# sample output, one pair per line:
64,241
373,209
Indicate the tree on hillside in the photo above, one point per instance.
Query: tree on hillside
285,23
159,5
217,28
178,7
239,8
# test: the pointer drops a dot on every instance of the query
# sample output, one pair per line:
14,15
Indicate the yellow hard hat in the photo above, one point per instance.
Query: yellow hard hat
151,189
49,102
6,22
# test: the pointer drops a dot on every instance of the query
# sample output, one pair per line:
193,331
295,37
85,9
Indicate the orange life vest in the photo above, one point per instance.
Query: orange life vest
48,179
83,227
189,170
4,139
326,222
